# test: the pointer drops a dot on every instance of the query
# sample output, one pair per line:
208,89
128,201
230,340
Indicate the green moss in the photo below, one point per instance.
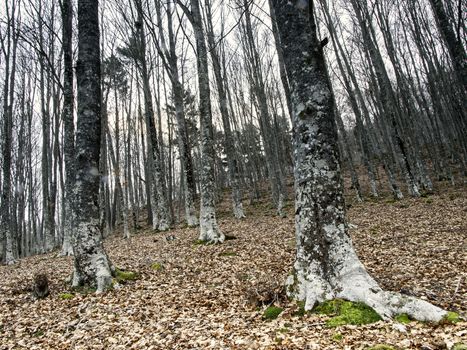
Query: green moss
337,337
330,307
301,309
459,346
283,330
402,318
84,289
292,288
227,254
157,266
38,333
451,317
66,296
201,242
381,347
124,276
272,312
347,312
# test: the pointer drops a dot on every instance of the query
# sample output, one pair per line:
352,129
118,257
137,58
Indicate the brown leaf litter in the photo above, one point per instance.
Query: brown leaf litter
192,296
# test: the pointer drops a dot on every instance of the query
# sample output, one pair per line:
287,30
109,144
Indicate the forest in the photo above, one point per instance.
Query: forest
233,174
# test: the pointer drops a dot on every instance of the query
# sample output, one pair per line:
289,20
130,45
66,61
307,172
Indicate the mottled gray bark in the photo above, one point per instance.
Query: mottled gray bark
183,146
326,265
276,176
47,219
7,234
209,230
161,219
91,264
453,43
229,144
68,122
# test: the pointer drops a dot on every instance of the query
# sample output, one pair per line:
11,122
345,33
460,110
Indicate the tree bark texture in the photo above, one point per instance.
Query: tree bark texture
92,266
326,265
209,230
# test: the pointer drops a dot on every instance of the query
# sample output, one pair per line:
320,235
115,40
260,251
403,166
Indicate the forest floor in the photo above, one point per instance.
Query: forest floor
191,296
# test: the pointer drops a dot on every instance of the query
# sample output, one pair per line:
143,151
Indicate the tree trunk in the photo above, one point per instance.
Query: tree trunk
161,219
229,144
454,44
183,146
326,265
209,231
91,264
67,115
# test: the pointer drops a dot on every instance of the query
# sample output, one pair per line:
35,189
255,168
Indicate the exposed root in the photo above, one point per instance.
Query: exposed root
350,281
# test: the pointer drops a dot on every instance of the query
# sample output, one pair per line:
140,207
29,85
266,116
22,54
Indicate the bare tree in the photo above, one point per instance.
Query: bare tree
209,230
326,265
91,264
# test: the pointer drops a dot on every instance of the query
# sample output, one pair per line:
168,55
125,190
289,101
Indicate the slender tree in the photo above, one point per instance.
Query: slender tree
209,230
68,122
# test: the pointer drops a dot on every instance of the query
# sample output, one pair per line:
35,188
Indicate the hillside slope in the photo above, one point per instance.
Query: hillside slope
190,296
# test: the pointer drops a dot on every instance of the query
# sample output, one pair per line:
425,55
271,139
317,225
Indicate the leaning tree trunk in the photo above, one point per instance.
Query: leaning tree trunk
453,43
326,265
91,264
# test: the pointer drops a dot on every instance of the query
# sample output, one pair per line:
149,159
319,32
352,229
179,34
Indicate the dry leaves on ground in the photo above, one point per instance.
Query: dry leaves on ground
191,296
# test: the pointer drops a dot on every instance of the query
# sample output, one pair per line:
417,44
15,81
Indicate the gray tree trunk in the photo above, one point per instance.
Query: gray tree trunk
326,265
161,219
183,146
229,143
454,44
209,230
7,234
68,122
91,264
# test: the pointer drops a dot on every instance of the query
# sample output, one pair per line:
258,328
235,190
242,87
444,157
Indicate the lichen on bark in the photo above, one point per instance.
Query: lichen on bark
326,266
91,264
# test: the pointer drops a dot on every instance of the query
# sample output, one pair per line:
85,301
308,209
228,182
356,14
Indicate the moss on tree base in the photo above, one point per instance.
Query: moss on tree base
272,312
123,277
347,312
403,318
451,317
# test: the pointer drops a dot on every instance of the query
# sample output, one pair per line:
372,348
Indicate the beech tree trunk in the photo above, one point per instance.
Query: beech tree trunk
453,43
229,144
161,215
91,264
209,230
7,234
183,145
67,115
326,265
